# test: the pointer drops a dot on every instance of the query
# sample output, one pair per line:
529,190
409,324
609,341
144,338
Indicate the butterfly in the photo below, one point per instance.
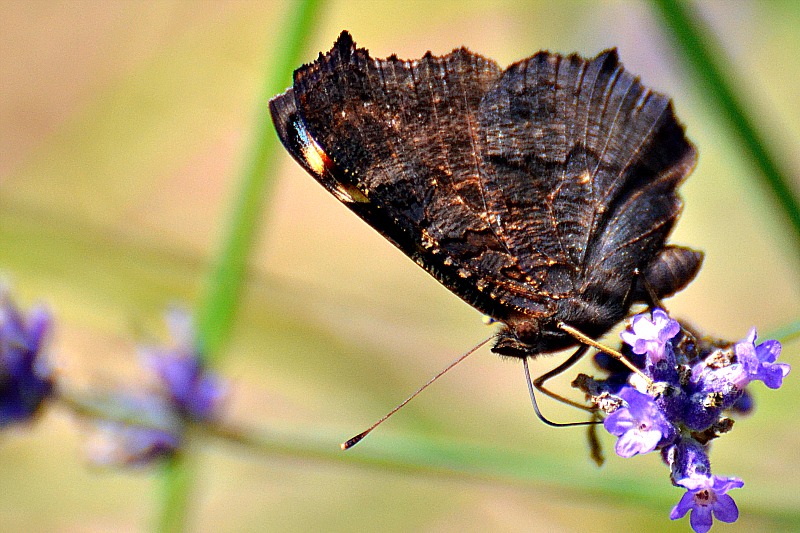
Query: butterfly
542,194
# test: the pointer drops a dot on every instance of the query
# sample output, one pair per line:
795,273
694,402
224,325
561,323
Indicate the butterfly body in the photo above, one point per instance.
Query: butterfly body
541,194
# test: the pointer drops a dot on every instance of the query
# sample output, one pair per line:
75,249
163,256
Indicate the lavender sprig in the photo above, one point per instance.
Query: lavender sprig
187,393
698,385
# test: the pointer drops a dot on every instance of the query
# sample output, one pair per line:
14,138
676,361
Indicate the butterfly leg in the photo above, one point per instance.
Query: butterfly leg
596,450
539,382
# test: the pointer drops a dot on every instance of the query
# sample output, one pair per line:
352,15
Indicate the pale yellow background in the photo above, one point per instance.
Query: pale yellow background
122,128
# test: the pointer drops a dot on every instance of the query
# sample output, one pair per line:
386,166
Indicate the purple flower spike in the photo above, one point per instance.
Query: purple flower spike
155,434
25,377
706,495
117,444
195,392
759,361
651,336
640,426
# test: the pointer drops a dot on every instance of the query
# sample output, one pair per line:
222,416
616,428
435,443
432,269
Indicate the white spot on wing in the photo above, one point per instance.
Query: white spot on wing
314,156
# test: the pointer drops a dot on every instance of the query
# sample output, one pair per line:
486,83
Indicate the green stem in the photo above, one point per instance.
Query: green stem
709,64
218,310
177,476
216,315
417,455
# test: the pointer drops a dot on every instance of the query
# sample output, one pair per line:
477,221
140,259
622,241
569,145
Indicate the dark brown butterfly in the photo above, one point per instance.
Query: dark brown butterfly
542,194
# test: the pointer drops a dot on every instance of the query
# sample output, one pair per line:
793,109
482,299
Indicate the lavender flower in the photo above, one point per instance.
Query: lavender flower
195,392
707,495
720,379
691,469
153,432
759,361
651,336
25,377
187,393
694,385
640,426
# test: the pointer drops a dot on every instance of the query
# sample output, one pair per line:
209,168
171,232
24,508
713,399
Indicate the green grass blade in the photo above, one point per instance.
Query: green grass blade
216,314
709,65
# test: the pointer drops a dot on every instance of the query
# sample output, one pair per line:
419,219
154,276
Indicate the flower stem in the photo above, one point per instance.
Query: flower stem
412,455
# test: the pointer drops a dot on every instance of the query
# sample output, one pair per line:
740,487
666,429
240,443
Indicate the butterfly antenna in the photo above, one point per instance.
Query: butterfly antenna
355,440
539,414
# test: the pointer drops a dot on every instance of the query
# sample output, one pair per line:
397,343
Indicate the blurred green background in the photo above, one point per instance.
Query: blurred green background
122,129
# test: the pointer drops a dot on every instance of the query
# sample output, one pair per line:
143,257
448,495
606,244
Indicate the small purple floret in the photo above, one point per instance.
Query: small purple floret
25,376
718,389
706,496
651,336
759,361
153,435
640,426
124,444
196,393
145,445
692,387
